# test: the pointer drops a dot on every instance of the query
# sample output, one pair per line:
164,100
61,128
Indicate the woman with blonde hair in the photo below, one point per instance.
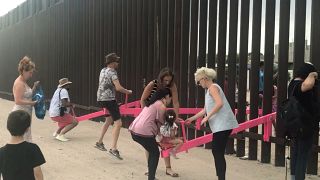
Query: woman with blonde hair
217,112
22,92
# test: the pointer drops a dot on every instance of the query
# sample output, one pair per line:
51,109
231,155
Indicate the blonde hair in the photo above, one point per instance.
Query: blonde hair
26,64
208,73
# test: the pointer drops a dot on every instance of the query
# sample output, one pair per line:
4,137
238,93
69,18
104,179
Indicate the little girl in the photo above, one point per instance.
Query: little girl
168,132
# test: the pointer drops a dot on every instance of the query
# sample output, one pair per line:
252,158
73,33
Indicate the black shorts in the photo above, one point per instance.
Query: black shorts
112,107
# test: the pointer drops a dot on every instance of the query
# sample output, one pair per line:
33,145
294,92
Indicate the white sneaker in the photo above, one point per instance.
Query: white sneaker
55,134
61,138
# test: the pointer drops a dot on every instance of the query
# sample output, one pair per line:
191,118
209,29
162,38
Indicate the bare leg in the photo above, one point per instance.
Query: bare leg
147,157
69,127
59,130
169,170
115,133
274,124
147,154
167,162
105,128
27,135
177,143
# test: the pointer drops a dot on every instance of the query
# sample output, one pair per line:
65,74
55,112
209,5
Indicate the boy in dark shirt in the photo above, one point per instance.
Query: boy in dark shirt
20,159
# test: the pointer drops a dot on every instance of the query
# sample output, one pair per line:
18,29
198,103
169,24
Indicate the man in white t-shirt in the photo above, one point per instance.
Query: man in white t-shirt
60,110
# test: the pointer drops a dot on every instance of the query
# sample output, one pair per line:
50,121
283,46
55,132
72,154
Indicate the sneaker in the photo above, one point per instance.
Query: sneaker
115,153
100,146
61,138
55,134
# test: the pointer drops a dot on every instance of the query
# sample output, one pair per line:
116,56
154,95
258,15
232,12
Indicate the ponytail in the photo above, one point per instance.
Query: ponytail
158,95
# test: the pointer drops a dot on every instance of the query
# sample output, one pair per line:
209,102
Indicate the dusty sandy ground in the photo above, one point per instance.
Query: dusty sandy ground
79,160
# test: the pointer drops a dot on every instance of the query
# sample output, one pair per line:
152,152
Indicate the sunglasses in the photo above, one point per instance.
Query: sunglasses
198,82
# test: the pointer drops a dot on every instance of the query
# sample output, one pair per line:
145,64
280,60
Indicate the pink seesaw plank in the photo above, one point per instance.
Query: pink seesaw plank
91,115
266,120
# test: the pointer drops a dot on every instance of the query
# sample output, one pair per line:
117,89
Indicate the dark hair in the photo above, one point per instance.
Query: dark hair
165,72
159,94
18,122
170,117
305,70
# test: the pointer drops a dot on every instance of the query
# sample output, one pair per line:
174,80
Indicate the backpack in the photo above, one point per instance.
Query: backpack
291,114
39,107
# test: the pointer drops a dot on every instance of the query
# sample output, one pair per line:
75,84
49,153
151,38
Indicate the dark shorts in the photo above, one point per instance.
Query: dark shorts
112,107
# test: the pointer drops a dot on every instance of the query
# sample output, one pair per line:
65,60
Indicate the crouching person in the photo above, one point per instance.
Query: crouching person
59,110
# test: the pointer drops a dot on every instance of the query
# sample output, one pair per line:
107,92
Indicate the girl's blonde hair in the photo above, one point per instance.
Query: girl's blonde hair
208,73
26,64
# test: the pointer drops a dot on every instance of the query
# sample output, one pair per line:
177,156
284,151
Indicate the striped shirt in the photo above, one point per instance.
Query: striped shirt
154,89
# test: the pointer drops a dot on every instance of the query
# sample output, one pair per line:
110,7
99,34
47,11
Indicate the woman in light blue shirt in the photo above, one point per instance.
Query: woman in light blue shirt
217,112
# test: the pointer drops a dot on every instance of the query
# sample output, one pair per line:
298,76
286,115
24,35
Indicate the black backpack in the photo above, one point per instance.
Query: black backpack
291,114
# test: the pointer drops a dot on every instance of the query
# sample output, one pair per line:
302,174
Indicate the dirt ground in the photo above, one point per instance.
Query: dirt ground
79,160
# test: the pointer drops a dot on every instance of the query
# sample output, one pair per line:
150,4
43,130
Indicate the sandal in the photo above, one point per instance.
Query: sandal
173,174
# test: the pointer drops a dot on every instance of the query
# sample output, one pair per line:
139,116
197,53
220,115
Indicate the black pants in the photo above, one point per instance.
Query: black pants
219,143
150,144
301,150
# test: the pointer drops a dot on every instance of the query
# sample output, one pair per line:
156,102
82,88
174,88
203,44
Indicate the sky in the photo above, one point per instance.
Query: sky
7,5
